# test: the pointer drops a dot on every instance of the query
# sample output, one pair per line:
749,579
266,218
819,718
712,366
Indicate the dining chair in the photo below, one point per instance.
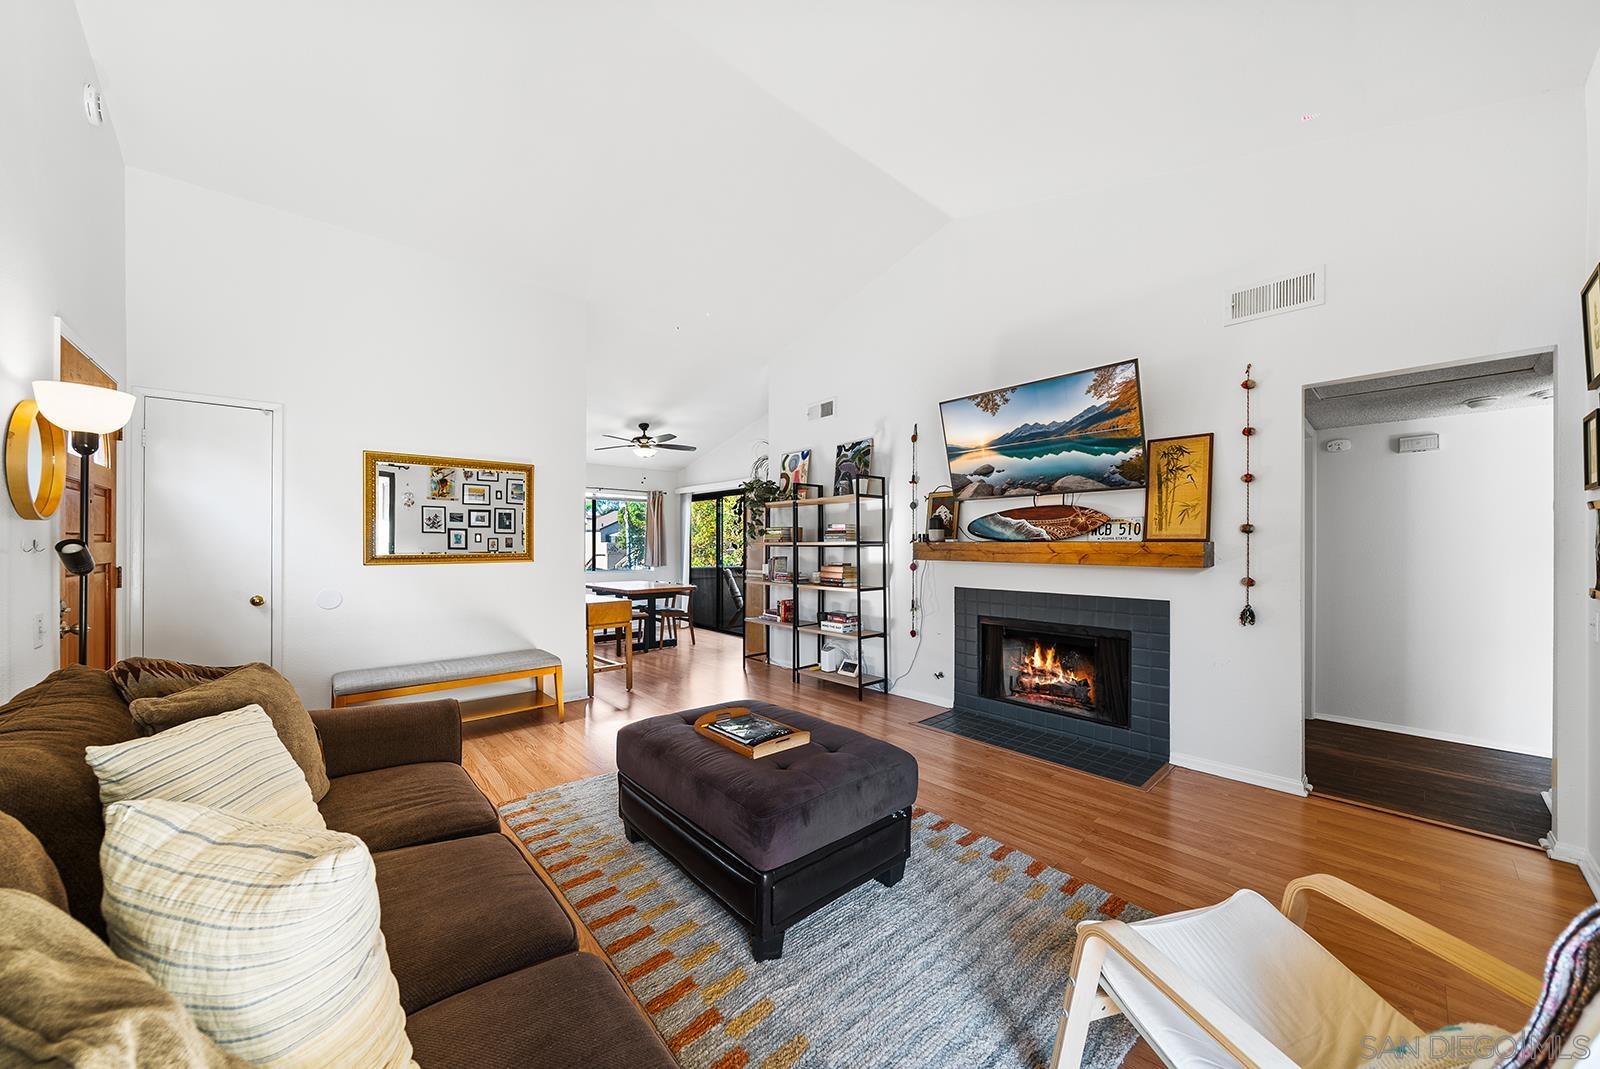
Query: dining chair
1241,984
672,616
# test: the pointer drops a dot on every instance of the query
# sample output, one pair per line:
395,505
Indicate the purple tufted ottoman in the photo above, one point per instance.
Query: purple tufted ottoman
774,839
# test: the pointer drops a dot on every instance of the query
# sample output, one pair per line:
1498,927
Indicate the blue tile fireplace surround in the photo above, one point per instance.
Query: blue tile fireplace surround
1074,679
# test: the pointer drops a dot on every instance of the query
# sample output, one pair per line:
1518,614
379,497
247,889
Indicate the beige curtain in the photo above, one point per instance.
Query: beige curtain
655,529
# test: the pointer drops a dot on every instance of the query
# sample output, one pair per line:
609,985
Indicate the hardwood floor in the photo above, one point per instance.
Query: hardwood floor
1190,841
1492,791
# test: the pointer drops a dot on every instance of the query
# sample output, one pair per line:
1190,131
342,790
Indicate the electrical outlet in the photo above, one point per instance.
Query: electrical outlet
38,631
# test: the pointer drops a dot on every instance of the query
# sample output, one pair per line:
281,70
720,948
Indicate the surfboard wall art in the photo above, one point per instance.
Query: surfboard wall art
1036,523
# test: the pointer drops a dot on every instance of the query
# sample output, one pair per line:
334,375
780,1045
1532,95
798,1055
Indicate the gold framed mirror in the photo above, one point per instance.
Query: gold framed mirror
36,462
421,509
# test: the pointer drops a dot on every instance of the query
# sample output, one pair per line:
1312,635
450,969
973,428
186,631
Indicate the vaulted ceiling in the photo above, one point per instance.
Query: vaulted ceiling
712,176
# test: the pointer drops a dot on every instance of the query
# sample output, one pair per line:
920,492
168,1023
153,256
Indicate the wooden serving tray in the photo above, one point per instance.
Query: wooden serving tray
799,737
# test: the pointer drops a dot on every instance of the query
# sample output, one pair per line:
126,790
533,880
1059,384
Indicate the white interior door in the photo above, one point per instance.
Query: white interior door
207,532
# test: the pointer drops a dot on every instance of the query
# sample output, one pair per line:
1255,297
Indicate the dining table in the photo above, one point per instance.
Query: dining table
648,591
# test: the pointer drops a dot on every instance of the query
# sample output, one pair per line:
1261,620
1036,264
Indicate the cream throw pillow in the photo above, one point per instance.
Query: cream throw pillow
232,761
267,932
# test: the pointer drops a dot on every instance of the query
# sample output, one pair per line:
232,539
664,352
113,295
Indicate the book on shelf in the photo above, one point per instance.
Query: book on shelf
839,532
786,610
779,534
749,734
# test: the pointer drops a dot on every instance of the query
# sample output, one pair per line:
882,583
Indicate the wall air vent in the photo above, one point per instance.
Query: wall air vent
1275,297
820,410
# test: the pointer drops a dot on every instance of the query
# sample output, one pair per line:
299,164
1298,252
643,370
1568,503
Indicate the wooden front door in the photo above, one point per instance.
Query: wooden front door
101,634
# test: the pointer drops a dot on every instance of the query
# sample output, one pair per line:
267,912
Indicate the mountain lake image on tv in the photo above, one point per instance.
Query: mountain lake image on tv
1069,434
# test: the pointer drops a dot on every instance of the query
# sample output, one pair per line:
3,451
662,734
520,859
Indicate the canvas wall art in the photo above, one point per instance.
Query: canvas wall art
1070,434
442,484
1178,502
851,461
796,469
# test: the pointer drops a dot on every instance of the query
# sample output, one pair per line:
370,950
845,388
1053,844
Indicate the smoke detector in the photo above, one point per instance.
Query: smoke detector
1479,402
94,108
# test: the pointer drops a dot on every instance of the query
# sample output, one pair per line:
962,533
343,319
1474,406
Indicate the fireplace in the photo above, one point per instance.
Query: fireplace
1065,669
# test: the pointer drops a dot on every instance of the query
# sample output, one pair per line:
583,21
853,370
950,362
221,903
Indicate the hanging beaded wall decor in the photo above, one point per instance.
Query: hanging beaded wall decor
1247,615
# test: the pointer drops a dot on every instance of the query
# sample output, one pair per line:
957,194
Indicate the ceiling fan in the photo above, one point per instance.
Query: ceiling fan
645,444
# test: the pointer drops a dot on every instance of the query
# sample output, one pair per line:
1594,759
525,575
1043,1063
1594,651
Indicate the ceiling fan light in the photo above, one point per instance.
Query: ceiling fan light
644,451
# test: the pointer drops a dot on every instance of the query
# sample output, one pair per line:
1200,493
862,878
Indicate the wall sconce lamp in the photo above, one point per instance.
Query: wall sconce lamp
86,412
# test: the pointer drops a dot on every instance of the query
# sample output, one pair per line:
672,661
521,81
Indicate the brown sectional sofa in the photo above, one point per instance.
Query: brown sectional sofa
486,958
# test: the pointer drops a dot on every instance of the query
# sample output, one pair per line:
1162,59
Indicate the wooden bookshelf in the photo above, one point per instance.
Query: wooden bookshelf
1104,554
807,542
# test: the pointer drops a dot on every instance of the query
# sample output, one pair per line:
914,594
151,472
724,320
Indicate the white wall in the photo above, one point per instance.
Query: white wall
370,346
1433,574
1443,240
728,461
60,254
1582,843
603,475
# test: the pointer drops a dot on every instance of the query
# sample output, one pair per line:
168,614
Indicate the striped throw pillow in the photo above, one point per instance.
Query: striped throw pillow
233,761
267,932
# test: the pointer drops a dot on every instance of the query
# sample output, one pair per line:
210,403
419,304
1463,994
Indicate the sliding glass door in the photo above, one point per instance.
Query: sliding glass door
716,560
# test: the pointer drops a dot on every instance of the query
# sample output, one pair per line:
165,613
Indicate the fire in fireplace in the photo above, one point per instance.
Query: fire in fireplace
1071,670
1046,673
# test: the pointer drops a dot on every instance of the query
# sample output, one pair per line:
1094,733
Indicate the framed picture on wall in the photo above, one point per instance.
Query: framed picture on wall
505,521
477,538
458,538
433,519
474,494
494,545
1177,502
477,517
1591,329
1591,450
516,491
486,475
456,517
442,484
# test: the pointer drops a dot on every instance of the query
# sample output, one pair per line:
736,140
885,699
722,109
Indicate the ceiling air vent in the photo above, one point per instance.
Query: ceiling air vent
1279,295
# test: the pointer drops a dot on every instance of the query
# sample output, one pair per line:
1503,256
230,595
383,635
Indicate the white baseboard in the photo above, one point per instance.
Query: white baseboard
1243,775
939,705
1427,733
1580,857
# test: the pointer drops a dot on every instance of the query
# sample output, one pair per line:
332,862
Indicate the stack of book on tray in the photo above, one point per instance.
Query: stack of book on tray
837,573
746,733
840,532
839,623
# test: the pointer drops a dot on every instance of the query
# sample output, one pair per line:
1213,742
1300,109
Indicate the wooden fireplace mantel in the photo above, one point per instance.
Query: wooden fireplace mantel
1106,554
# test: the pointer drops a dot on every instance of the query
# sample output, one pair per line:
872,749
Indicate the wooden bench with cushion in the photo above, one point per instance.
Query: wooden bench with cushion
423,677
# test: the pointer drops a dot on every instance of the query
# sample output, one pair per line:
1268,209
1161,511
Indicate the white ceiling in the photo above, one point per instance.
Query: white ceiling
712,176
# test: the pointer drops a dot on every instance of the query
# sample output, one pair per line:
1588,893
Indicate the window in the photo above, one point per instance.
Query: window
613,530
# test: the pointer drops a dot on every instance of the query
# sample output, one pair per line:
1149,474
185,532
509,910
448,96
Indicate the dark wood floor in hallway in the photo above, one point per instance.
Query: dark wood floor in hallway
1492,791
1190,841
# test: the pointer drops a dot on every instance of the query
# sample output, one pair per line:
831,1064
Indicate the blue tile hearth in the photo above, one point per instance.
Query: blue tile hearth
1046,744
1130,754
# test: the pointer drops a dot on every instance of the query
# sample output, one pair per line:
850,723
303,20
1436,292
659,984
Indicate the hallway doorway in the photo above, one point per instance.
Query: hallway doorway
1429,586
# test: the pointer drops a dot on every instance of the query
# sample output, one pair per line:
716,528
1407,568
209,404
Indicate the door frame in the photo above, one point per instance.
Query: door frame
134,575
717,496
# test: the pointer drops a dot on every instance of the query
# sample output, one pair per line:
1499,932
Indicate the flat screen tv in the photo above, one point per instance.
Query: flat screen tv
1070,434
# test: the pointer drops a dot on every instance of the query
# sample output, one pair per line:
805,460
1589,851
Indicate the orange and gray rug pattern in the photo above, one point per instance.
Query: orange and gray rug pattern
963,963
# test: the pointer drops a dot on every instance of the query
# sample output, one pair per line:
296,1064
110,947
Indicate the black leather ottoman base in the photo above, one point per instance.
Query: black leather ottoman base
768,902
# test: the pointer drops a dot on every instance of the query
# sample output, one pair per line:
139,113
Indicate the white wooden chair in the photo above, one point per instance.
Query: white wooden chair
1240,984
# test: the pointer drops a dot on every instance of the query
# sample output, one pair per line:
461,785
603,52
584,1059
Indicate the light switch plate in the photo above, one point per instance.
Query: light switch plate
38,631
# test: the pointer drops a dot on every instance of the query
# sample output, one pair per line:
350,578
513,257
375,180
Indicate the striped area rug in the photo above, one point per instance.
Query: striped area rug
962,965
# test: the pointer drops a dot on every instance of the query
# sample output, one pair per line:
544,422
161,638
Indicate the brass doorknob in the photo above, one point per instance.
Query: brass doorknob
257,600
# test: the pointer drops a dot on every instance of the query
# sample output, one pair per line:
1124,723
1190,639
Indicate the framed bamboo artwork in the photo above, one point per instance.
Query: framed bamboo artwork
1177,503
1591,329
1591,450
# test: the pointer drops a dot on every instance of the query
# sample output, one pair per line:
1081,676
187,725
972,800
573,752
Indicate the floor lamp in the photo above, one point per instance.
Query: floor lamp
86,412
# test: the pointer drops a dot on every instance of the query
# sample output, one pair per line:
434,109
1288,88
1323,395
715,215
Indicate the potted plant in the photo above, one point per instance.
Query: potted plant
757,490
